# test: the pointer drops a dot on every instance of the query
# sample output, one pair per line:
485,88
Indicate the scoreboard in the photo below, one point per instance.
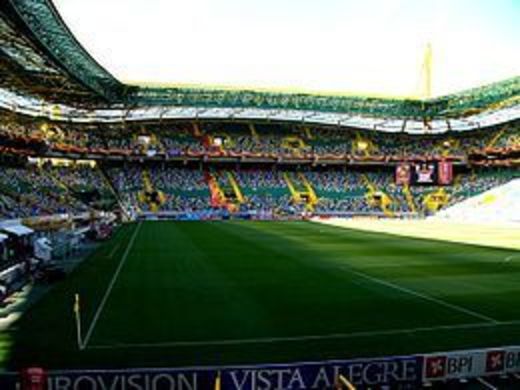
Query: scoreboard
424,173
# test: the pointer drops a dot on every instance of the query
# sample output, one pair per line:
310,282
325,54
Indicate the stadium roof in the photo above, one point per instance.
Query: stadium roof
42,24
503,94
53,50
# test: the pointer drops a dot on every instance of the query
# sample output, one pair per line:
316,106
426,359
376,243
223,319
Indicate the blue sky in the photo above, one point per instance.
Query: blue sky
365,46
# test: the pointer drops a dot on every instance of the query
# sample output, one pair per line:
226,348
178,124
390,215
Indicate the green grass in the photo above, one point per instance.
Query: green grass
193,293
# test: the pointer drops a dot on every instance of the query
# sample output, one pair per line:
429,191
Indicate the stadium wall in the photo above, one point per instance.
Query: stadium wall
395,371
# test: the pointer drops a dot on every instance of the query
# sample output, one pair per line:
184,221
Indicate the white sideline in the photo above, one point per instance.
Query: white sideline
486,384
509,258
332,336
110,287
424,296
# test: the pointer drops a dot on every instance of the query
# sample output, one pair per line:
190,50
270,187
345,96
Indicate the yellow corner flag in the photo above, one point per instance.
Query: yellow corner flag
217,382
77,314
76,304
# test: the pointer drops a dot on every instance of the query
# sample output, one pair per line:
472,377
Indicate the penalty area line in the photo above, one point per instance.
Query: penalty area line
511,257
332,336
110,287
438,301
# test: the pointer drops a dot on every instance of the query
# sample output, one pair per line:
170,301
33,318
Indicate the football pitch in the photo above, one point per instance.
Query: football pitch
214,293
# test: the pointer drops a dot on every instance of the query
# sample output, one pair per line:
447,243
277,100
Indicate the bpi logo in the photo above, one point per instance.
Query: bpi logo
448,366
495,361
503,360
435,367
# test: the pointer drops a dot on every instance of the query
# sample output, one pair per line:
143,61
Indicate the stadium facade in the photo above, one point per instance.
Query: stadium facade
78,146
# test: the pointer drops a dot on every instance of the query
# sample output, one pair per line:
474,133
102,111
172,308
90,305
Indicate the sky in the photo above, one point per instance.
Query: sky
373,47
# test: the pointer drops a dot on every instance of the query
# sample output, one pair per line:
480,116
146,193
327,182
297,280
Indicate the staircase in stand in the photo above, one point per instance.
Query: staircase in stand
497,136
236,188
217,197
224,189
409,198
301,190
436,200
152,197
253,132
377,198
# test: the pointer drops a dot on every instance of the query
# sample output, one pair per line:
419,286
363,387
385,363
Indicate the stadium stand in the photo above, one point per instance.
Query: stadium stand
37,192
350,190
338,190
184,189
128,183
85,182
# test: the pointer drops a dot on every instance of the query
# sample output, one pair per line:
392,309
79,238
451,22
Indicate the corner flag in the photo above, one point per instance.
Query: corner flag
217,382
77,315
76,304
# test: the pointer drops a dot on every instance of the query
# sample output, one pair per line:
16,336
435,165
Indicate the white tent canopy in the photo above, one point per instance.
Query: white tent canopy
18,230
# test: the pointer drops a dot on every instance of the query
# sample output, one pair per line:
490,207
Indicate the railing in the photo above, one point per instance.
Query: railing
269,215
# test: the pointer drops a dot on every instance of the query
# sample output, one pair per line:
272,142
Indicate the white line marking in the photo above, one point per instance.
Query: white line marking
110,287
509,258
332,336
424,296
486,384
113,251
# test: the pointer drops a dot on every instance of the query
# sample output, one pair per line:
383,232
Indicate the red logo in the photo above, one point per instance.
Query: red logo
495,361
435,366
